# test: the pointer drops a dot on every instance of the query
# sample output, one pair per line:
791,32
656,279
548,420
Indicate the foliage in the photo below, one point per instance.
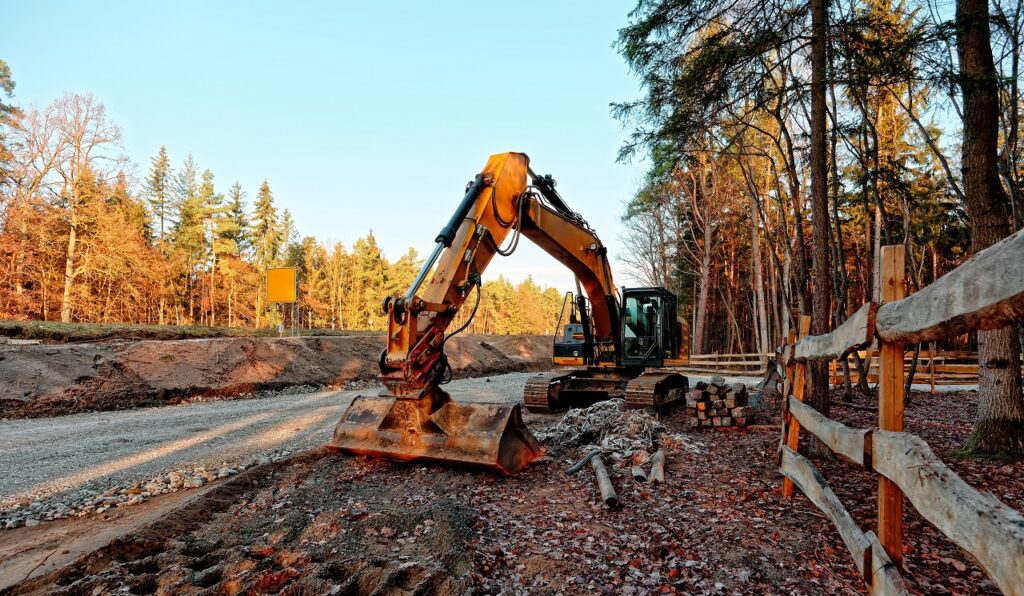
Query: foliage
77,238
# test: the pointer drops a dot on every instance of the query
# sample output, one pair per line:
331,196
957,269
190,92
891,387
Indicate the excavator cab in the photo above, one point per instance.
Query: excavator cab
650,333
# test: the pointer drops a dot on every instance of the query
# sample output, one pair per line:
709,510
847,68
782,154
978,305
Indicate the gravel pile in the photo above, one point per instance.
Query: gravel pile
87,501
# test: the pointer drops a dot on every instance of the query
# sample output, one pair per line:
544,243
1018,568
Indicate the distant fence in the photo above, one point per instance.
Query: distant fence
750,365
986,292
933,368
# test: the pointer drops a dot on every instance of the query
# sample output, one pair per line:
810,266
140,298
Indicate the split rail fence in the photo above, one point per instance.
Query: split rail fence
934,368
986,292
750,365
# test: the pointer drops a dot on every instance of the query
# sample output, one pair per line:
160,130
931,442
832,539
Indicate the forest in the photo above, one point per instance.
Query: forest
789,141
85,238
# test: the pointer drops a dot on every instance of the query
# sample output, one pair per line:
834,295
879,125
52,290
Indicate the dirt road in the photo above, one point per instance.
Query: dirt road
71,458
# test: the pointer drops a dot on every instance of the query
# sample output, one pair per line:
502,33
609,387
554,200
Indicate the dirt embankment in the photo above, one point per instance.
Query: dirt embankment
47,380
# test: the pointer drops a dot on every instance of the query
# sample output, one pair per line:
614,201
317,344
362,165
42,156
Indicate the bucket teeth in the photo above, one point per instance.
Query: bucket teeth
477,434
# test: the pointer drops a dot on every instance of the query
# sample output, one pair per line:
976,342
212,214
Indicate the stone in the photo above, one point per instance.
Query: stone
32,522
193,482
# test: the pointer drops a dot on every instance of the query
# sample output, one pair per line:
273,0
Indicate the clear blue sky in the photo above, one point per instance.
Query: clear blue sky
362,116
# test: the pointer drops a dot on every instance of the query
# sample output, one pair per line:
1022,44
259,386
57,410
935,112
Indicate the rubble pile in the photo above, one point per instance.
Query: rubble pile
718,404
606,425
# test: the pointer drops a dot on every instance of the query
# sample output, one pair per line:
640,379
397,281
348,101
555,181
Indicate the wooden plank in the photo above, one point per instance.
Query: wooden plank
713,356
802,473
986,292
843,440
855,333
791,428
977,522
885,579
890,405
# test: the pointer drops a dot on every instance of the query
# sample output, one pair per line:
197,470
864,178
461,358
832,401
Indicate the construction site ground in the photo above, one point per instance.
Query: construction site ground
318,522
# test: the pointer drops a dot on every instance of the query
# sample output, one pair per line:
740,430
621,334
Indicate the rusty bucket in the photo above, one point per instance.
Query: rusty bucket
439,429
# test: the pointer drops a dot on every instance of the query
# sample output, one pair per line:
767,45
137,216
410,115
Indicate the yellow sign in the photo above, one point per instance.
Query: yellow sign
281,285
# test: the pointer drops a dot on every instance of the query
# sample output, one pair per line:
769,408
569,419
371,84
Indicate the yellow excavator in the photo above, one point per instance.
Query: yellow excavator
621,346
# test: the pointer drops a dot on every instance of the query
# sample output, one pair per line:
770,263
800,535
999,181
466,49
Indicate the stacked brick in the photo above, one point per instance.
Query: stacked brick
718,404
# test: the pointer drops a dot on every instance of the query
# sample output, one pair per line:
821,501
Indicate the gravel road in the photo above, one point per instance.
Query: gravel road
71,458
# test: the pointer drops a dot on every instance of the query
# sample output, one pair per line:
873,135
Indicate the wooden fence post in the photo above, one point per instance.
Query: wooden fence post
793,426
931,366
890,405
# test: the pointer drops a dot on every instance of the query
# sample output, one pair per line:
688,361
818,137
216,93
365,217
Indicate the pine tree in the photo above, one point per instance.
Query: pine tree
159,193
236,208
266,230
401,273
291,252
266,239
186,183
190,231
368,283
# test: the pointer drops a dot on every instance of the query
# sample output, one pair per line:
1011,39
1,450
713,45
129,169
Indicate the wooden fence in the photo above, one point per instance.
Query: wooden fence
749,365
986,292
933,368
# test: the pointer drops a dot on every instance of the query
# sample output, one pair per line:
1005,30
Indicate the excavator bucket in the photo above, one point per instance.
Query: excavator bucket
477,434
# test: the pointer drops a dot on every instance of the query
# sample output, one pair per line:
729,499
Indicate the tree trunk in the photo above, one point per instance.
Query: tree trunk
213,290
701,314
760,309
69,273
999,428
819,202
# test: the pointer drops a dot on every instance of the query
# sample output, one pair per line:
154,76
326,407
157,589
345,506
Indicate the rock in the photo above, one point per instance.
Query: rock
135,500
32,522
225,472
193,482
13,523
176,480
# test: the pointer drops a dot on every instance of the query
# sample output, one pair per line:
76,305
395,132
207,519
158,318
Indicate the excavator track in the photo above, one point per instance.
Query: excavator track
536,394
558,391
656,389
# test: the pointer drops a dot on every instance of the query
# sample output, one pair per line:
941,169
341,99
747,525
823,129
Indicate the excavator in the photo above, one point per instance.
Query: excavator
624,341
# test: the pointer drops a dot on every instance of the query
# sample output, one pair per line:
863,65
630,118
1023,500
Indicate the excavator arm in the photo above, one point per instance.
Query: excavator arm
413,418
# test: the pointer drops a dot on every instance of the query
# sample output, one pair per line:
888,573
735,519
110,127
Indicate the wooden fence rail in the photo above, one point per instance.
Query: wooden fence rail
986,292
933,368
753,365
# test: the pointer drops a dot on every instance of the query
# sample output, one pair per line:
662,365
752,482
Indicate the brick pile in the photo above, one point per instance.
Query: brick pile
718,404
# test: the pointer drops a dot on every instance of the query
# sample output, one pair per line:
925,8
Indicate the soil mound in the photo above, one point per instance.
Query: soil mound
47,380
